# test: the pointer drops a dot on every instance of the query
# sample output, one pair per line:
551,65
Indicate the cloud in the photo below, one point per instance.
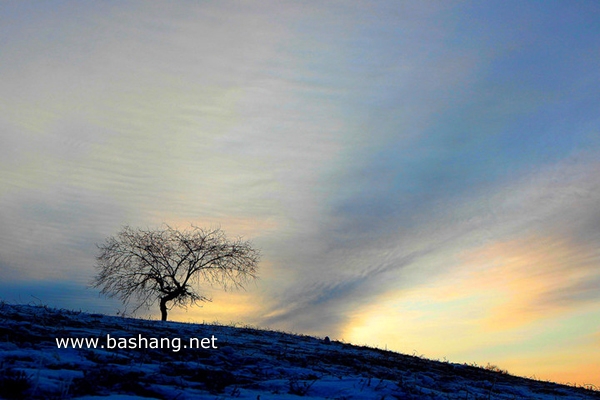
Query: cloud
49,233
527,255
510,303
534,278
527,245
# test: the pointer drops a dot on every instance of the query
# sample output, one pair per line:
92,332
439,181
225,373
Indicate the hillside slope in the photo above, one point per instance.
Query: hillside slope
237,363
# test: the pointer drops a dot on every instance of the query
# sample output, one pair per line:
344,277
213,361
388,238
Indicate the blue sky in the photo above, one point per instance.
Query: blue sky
418,175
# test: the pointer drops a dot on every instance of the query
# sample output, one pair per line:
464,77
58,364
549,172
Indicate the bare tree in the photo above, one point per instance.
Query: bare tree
167,265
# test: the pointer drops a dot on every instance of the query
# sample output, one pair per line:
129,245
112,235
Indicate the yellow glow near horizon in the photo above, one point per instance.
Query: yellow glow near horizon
226,308
502,305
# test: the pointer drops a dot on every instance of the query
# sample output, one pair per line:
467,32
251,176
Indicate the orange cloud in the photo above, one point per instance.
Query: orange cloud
517,304
531,278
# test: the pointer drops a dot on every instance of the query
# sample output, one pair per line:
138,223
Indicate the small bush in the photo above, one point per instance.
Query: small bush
495,368
300,388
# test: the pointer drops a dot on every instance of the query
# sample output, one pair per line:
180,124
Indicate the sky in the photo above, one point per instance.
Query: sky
418,176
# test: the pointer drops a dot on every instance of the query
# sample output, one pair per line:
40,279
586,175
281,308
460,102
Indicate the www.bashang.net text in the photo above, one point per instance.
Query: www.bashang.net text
137,342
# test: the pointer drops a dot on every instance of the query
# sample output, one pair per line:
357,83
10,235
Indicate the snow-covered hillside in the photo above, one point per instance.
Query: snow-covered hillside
239,363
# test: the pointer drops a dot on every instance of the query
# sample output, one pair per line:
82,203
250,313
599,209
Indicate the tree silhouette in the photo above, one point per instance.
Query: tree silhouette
167,265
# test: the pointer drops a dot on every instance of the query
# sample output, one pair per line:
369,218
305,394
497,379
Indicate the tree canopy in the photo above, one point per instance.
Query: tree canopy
168,265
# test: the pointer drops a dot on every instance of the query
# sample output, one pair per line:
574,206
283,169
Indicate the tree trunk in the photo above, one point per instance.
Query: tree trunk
163,303
163,308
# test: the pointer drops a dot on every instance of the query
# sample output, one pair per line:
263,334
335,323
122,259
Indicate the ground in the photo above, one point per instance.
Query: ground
236,362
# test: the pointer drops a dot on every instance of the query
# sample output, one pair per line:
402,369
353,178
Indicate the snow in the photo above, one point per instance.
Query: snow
247,364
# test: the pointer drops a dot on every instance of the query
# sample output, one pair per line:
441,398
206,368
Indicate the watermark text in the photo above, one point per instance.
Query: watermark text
137,342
